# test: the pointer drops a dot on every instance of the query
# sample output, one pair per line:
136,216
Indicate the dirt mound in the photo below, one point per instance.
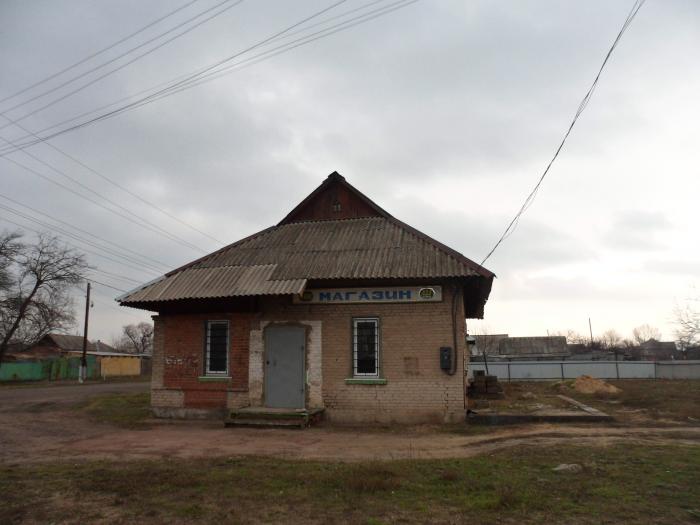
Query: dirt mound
591,385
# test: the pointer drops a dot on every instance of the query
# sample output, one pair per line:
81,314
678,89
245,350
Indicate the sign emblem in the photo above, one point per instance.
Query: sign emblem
426,293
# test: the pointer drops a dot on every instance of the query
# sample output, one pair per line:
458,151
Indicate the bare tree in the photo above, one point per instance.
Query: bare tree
611,339
687,325
644,333
572,337
35,288
137,338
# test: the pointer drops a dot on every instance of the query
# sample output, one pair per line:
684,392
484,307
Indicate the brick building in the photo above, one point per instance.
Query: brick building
340,307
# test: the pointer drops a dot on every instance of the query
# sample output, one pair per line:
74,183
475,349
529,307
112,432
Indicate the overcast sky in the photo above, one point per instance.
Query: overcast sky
443,112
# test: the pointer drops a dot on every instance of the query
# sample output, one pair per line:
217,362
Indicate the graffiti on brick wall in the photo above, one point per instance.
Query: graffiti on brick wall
181,362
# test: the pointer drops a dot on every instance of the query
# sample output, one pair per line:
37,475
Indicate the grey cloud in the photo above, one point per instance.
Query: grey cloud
638,230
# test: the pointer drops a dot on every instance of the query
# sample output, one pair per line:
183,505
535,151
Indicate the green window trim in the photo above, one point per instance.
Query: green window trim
365,381
213,379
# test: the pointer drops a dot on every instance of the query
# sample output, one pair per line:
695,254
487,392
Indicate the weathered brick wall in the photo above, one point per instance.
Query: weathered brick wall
160,396
417,390
178,362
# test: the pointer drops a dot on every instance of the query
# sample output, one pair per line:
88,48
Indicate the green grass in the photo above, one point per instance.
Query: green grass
621,484
122,410
660,399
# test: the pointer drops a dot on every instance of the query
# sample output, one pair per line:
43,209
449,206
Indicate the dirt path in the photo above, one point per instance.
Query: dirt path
57,436
38,424
15,398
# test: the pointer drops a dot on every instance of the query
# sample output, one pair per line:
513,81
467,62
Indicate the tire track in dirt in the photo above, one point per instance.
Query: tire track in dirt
76,439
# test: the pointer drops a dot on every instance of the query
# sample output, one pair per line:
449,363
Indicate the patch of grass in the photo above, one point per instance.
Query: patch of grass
122,410
621,484
674,400
522,397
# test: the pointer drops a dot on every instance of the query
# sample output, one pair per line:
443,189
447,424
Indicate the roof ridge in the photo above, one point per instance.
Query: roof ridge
327,221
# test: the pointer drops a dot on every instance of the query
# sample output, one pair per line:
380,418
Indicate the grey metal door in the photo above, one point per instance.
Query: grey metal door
284,367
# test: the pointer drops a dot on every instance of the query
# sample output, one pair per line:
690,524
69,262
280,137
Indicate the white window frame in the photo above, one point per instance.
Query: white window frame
207,354
355,321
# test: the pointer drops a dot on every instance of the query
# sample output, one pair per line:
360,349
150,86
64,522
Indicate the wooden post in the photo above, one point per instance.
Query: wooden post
83,360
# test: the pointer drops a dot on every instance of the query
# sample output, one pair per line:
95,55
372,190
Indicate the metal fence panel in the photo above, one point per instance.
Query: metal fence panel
678,370
599,369
637,369
541,370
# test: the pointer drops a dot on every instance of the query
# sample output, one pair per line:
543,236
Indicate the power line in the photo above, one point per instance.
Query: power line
213,75
120,67
192,79
97,53
132,264
120,309
180,77
107,285
114,183
184,77
141,222
582,106
116,276
116,245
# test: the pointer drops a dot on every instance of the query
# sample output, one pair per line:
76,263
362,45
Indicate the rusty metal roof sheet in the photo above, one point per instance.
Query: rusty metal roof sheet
280,260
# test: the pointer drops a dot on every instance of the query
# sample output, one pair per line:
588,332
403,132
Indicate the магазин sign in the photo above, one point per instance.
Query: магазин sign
392,294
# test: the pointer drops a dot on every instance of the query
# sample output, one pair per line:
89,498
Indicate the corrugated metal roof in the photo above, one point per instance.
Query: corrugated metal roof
281,259
367,248
215,282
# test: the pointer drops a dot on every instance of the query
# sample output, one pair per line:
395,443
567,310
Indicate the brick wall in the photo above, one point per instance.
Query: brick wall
178,362
417,390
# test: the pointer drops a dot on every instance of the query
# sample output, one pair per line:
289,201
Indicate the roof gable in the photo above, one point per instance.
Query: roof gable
333,200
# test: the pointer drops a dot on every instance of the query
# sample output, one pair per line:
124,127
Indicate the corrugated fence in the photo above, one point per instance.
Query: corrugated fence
543,370
61,368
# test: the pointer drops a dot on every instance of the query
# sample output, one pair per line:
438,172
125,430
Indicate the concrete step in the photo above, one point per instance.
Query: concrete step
263,423
268,417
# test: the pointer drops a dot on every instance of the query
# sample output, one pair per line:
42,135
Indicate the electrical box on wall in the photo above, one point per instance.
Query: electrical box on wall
446,358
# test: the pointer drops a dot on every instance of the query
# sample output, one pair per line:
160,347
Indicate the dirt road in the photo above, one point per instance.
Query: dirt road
16,398
38,425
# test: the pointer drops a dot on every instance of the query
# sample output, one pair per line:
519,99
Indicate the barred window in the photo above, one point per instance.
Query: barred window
217,348
365,353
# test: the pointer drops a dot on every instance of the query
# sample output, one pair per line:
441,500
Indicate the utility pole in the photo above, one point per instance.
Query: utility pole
590,328
83,361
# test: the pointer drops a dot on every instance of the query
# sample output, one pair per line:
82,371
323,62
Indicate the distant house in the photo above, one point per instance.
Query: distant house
487,344
53,349
501,346
54,345
584,352
653,350
62,344
692,353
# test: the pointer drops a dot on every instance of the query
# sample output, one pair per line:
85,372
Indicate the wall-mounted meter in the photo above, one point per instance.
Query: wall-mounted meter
446,358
